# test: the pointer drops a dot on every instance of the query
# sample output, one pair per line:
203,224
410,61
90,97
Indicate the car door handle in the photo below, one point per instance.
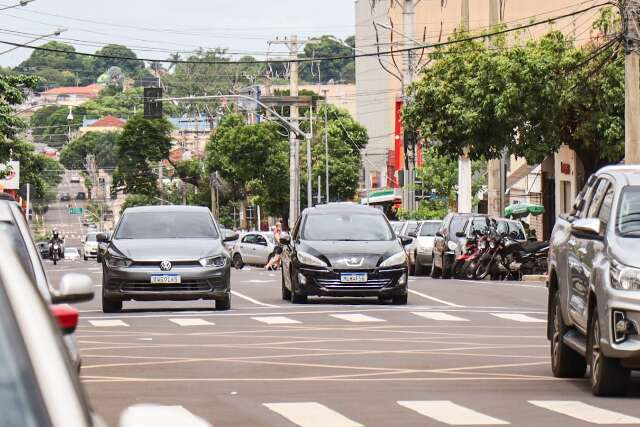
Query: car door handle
582,251
572,243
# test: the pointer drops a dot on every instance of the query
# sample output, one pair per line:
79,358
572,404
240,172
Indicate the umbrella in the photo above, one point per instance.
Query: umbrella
520,210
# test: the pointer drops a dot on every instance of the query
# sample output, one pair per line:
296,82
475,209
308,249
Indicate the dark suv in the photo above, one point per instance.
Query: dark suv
344,249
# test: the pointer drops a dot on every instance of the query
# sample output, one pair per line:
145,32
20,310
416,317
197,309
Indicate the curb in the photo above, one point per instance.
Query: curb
535,278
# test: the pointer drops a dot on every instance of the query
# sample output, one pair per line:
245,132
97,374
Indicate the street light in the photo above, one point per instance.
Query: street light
21,3
55,33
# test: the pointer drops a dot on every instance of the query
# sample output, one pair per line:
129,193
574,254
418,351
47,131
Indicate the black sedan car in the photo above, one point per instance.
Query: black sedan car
344,249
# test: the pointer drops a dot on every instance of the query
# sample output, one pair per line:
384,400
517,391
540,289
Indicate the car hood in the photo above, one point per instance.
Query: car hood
625,250
169,249
340,254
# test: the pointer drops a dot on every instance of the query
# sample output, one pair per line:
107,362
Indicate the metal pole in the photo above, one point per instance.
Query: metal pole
309,177
259,219
632,83
319,189
28,201
407,79
294,149
326,145
160,182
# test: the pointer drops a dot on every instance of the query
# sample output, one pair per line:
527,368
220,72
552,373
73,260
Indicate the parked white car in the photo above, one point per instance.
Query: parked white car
255,248
71,253
421,250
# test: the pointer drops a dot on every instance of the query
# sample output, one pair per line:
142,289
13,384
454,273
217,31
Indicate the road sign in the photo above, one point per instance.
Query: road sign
76,211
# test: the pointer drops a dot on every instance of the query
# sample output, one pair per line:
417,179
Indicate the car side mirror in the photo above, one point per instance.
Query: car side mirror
145,415
439,234
285,239
460,234
102,237
230,236
587,226
406,240
74,288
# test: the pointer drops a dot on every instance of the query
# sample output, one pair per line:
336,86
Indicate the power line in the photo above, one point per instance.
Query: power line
319,59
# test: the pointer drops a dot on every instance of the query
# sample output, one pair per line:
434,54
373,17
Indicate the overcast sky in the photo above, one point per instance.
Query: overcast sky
157,26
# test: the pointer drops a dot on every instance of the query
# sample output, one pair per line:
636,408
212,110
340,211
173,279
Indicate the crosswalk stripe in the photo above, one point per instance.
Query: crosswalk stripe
186,321
107,323
518,317
439,316
275,320
357,318
311,414
584,412
450,413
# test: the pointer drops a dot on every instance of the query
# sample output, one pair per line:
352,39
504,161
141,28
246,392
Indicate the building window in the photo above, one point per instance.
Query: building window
565,196
375,179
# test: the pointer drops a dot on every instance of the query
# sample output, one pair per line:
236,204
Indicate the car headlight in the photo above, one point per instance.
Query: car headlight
395,260
118,262
452,246
214,261
624,278
308,259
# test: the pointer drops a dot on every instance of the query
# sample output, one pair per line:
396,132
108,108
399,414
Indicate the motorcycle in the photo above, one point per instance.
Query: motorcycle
56,252
470,252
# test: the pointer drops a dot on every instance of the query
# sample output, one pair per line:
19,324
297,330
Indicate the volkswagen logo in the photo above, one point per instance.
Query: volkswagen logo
165,265
354,262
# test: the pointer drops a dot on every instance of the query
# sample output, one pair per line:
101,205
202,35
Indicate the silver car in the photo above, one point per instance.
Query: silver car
165,253
421,250
594,283
255,248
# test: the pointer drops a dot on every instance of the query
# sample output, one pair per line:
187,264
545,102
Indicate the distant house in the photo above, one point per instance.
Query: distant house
71,95
105,124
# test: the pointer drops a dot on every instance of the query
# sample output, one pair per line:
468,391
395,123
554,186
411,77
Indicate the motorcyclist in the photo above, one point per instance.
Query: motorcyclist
55,238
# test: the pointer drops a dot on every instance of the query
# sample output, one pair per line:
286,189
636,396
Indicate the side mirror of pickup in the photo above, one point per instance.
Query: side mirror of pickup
588,227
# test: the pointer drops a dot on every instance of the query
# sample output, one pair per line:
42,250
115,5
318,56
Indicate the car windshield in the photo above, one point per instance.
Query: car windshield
628,217
167,225
514,229
91,237
429,228
346,227
20,404
412,227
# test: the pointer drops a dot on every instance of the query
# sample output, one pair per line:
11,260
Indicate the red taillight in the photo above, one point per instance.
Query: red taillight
66,316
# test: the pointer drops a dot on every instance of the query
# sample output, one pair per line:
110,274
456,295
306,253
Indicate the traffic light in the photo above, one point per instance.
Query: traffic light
152,107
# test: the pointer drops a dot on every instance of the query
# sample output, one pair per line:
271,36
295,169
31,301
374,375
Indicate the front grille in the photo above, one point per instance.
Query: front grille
173,264
375,280
182,287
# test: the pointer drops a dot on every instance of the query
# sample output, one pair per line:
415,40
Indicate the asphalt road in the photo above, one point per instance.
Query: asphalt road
460,353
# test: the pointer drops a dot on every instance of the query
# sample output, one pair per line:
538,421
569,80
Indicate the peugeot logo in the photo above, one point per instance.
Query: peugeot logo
354,262
165,265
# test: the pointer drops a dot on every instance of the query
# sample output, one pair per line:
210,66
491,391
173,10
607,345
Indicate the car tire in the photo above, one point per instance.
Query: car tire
237,261
224,304
297,298
85,258
565,362
418,269
400,299
608,377
286,293
111,306
435,271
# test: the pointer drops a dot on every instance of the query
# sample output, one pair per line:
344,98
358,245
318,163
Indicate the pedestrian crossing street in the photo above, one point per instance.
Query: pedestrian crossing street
346,318
316,414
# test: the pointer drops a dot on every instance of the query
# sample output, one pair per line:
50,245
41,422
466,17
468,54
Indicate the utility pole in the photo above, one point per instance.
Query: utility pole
326,145
309,177
632,82
495,167
464,163
407,78
161,182
319,189
214,196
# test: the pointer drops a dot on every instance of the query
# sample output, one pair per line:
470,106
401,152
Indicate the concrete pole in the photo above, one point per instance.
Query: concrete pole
407,78
319,189
28,201
632,85
494,167
309,177
294,145
259,218
326,145
464,163
214,202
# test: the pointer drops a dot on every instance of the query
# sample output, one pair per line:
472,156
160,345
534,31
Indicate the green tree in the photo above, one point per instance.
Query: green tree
102,145
141,145
129,67
58,68
529,99
12,93
338,70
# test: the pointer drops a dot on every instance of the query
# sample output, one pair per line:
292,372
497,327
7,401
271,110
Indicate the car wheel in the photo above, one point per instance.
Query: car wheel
400,299
85,257
446,271
111,306
435,271
237,261
286,293
224,303
608,377
565,362
418,269
297,298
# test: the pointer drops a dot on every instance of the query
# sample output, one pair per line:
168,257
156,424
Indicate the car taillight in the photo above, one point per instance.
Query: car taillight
66,316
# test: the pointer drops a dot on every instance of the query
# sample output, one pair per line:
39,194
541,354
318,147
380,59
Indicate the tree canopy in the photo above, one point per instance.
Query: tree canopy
102,145
338,70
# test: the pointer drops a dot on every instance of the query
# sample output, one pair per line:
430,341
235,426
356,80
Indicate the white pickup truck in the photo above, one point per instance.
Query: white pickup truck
594,283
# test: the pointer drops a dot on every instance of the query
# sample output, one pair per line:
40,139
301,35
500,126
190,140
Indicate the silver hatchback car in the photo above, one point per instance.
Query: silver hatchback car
165,253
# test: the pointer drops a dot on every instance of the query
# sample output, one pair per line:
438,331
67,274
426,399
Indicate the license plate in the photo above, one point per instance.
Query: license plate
353,277
165,279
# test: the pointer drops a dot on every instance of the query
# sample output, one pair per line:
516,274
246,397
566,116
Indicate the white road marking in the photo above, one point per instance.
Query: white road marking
275,320
435,315
107,323
166,416
311,414
584,412
429,297
450,413
518,317
357,318
258,281
187,321
252,300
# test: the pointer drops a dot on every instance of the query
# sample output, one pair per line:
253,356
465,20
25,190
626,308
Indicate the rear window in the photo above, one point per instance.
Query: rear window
20,401
167,225
429,228
412,227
